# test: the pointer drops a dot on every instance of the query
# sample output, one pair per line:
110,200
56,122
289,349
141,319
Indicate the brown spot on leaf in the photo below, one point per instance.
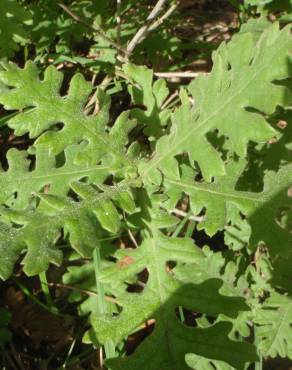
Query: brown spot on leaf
125,261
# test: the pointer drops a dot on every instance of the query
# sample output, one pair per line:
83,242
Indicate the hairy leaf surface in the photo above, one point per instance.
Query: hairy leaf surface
260,208
41,228
231,99
162,295
274,331
18,183
44,108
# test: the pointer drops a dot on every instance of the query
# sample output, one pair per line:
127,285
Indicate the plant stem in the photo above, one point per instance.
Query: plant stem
175,234
259,364
46,289
181,225
190,229
179,74
79,358
69,354
27,292
181,213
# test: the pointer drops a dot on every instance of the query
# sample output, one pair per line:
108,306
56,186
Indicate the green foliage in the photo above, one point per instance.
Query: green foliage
18,182
231,94
48,108
281,9
274,320
115,174
41,227
13,19
260,209
55,31
54,34
150,95
162,295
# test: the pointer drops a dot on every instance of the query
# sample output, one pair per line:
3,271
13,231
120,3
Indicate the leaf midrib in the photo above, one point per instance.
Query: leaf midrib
279,327
240,195
28,176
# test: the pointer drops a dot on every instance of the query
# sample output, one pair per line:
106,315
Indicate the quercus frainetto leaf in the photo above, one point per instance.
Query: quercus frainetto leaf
44,108
160,299
233,99
18,183
274,322
261,209
41,230
41,227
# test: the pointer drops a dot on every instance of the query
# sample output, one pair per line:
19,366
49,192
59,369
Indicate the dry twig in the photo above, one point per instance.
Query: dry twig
177,74
169,100
178,212
132,238
160,20
141,33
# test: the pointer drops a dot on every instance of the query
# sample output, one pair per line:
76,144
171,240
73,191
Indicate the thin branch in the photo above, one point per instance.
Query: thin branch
83,291
132,238
178,212
96,29
160,20
177,74
140,34
93,101
101,359
169,99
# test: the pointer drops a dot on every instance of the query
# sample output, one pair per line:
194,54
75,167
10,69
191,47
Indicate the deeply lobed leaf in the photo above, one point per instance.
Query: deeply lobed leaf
44,108
41,228
162,295
231,99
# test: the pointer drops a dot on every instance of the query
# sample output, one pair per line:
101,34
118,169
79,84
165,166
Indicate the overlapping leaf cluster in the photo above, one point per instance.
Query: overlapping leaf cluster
53,32
85,179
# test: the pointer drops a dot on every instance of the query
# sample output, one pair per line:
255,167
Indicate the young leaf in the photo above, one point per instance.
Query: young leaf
150,96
